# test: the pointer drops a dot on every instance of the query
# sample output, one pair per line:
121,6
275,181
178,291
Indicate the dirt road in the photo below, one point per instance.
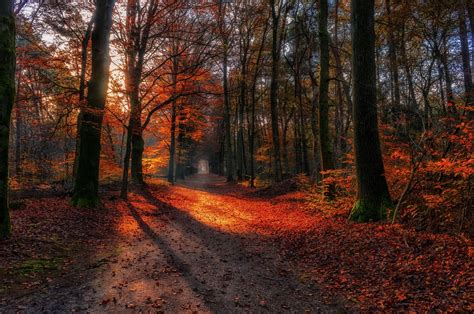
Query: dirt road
187,248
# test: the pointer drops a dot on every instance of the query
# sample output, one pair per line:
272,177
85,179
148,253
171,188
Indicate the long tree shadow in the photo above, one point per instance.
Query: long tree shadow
174,260
225,256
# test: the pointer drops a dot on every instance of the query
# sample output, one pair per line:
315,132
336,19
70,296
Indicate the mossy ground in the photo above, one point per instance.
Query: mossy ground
37,266
85,202
52,242
370,210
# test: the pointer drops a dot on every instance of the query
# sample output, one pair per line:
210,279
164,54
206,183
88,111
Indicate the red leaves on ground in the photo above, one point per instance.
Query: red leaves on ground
373,267
50,237
379,267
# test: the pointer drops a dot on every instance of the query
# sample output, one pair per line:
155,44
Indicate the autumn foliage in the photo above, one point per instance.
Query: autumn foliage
261,123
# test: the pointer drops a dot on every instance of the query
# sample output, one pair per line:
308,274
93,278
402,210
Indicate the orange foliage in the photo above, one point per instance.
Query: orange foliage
373,267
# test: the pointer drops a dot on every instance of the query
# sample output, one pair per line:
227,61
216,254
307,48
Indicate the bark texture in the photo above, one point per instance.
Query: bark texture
373,197
275,56
171,162
86,186
325,144
7,99
466,58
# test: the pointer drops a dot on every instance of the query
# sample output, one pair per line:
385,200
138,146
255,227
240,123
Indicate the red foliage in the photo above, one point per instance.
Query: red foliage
381,267
371,267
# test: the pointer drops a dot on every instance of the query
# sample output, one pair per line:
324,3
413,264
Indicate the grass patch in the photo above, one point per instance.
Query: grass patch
37,266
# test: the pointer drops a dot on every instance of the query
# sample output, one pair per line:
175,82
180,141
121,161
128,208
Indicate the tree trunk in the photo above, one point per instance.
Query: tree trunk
343,94
240,121
275,67
286,123
171,163
412,103
466,59
297,146
109,132
314,130
253,107
393,57
180,165
228,139
470,11
441,87
373,197
138,147
138,32
7,99
126,160
302,126
174,81
286,162
449,85
427,107
86,187
82,89
18,133
252,144
229,166
325,144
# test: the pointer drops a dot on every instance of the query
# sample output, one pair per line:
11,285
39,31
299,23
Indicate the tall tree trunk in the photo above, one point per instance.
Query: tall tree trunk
7,99
252,132
126,159
412,103
252,140
297,147
449,85
221,170
314,129
132,88
343,94
240,120
284,139
180,163
302,126
325,143
393,57
82,89
428,112
109,132
339,112
229,165
86,189
373,197
171,163
275,67
441,87
228,140
138,147
134,153
286,123
138,36
427,107
19,129
470,11
466,59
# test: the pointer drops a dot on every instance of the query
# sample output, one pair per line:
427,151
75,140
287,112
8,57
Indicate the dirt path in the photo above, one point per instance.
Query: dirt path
189,248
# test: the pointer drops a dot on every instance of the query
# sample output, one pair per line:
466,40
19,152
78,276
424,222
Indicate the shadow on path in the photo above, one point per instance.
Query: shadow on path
231,271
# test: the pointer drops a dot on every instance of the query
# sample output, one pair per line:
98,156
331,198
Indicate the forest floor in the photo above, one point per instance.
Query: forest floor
209,246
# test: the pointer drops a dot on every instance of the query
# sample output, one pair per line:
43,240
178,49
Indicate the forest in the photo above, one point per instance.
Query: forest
228,156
